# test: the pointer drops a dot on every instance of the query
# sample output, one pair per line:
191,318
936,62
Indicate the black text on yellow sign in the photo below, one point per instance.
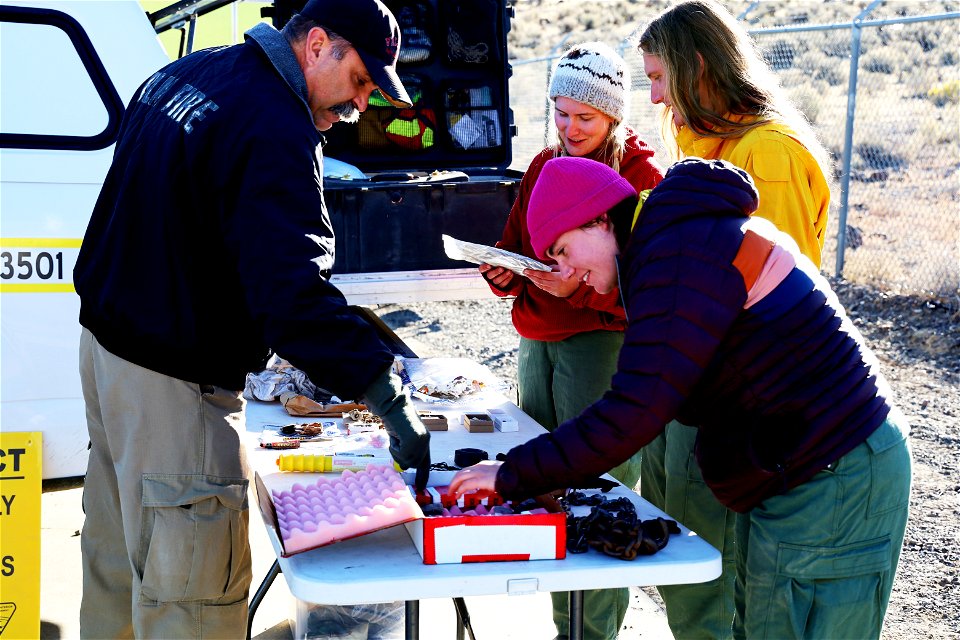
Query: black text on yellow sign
20,488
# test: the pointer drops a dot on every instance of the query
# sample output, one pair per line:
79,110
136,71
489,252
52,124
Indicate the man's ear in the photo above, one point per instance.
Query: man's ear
314,43
701,66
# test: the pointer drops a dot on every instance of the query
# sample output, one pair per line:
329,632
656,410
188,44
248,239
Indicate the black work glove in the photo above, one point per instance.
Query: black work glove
409,439
423,471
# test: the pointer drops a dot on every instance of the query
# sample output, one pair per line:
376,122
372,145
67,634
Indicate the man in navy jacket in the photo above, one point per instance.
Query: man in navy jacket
209,248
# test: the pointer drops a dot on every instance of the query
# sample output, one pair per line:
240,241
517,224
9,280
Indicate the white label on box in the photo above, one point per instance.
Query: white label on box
453,543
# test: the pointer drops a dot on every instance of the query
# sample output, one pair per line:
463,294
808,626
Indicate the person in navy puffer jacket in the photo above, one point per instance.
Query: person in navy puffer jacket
732,330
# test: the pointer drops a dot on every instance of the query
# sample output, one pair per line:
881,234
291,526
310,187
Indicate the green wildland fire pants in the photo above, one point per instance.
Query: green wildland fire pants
817,561
557,381
670,479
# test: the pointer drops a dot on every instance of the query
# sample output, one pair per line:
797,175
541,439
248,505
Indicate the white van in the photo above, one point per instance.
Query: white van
67,70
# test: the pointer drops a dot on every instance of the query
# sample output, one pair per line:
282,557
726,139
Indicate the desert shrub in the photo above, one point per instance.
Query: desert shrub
780,55
879,60
948,58
836,72
932,132
944,93
879,154
926,34
836,44
817,65
807,100
909,55
811,60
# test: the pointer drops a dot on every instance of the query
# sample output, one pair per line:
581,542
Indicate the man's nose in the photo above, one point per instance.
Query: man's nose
362,100
656,96
566,271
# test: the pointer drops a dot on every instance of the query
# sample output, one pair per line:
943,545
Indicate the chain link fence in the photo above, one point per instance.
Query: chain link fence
896,159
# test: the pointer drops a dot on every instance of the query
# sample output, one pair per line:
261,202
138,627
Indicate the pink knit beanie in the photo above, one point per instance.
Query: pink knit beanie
569,193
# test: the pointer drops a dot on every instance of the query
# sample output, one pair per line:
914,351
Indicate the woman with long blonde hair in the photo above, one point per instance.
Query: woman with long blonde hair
722,102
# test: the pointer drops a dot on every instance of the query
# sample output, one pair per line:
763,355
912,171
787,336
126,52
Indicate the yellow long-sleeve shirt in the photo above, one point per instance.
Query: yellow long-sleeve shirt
794,194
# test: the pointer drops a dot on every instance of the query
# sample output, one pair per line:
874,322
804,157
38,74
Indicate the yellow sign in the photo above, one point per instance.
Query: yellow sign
20,488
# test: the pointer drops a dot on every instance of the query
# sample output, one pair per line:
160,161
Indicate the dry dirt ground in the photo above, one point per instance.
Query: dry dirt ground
917,341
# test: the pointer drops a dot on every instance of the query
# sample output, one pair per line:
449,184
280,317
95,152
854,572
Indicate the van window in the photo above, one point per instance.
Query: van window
56,92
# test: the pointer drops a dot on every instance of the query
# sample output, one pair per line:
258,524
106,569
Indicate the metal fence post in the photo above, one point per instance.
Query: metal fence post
855,34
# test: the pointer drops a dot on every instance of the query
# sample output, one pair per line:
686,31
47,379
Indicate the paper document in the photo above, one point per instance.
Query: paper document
481,253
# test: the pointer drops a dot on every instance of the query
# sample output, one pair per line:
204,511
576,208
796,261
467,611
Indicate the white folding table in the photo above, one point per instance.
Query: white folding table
384,566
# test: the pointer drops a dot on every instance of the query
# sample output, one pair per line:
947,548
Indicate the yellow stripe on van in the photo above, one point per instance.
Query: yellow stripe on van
62,243
15,287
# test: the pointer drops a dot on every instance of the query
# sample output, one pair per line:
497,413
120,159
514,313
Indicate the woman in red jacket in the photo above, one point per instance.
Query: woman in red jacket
570,335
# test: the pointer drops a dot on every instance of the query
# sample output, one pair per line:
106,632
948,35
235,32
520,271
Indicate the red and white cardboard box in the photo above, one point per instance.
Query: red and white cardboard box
492,538
459,539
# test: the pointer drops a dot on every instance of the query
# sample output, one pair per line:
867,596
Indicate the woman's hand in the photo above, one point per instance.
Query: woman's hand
552,282
482,475
499,276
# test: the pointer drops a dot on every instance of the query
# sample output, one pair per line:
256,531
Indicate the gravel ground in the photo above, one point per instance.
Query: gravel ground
917,341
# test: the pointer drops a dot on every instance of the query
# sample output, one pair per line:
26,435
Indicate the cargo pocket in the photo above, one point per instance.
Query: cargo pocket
889,469
829,591
191,537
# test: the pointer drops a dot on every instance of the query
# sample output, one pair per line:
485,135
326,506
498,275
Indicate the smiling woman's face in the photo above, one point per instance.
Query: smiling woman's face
588,254
581,127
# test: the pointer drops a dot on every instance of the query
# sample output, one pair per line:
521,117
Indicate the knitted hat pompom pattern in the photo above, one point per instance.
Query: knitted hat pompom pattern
593,74
569,193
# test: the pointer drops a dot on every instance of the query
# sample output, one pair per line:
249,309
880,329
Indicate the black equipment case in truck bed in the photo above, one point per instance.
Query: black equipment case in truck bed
440,167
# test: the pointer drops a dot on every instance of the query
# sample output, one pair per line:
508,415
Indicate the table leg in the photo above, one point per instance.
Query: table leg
412,620
460,629
576,615
261,592
463,619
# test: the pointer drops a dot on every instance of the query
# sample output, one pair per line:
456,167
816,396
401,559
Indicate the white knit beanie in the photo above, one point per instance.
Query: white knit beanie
594,74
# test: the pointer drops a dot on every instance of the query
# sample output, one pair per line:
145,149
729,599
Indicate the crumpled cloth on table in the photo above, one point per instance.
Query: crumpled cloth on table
281,377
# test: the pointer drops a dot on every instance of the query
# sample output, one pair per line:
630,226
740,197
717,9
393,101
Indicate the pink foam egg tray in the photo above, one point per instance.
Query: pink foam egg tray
310,515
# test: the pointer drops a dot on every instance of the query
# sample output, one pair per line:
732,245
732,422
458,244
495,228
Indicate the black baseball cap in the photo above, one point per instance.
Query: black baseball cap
372,30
